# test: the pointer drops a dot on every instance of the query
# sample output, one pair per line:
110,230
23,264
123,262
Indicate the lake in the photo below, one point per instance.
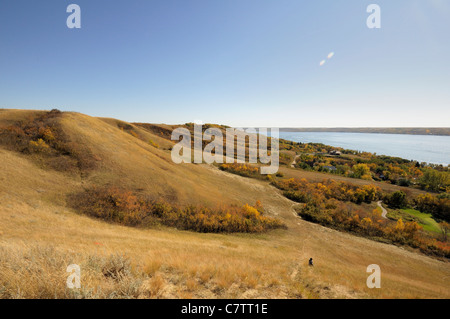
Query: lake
423,148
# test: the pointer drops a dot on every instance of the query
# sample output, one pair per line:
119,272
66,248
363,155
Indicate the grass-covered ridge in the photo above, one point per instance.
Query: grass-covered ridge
40,235
41,136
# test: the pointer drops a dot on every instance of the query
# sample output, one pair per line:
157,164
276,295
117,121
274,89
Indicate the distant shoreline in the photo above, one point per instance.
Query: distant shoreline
435,131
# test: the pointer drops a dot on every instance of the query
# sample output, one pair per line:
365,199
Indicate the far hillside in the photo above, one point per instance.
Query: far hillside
445,131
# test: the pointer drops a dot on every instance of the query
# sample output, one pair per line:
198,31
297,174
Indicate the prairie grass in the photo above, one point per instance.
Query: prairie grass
40,235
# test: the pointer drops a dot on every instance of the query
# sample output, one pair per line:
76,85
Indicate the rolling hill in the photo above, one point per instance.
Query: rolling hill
40,234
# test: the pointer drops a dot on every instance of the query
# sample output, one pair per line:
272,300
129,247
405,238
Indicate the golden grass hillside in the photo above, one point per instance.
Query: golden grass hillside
40,236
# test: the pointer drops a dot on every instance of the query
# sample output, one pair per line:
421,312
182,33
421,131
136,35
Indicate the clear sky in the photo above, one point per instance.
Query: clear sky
234,62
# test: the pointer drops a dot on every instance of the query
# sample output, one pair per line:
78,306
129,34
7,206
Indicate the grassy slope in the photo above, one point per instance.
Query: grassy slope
428,222
425,220
185,264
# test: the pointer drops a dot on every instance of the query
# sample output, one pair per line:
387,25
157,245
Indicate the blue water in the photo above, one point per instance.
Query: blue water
423,148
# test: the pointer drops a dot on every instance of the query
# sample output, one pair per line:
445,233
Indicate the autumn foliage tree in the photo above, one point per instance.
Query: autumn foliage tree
397,199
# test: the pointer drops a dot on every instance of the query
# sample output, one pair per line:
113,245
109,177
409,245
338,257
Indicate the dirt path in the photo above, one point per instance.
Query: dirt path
383,210
295,161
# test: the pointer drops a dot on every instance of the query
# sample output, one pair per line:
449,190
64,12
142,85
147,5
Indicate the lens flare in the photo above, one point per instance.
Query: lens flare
330,55
322,62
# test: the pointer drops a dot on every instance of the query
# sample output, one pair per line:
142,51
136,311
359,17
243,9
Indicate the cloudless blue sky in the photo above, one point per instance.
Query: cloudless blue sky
235,62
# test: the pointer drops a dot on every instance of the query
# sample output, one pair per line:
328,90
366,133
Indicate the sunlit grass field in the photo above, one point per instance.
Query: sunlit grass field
40,236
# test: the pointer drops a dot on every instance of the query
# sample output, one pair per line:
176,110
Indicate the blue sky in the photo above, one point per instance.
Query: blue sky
234,62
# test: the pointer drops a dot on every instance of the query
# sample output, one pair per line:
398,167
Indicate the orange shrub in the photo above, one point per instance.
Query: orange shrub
123,207
245,170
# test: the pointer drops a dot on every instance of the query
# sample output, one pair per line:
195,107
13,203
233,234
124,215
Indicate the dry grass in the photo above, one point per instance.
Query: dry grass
40,272
40,236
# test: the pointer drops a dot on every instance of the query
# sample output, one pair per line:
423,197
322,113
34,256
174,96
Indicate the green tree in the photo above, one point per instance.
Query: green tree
397,200
434,180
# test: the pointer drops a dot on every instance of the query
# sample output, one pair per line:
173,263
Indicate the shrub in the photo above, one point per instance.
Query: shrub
117,267
155,145
123,207
245,170
39,146
297,196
